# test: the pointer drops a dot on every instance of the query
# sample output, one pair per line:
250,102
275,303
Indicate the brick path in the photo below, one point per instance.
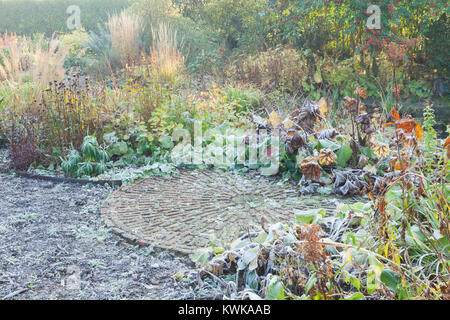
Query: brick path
186,211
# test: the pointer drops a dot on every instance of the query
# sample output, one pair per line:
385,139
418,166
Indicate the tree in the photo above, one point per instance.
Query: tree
398,19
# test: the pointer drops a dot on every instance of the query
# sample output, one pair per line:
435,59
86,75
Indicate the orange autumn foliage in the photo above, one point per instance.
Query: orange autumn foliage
407,125
447,145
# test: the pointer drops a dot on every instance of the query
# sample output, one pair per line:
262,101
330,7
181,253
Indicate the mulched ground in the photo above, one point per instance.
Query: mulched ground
54,245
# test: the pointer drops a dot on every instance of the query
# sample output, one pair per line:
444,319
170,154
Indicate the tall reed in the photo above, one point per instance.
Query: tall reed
27,67
165,56
124,29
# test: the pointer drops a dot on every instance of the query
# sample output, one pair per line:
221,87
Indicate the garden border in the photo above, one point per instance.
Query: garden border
28,175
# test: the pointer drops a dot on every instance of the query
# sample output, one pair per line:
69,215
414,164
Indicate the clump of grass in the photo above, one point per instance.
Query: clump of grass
165,56
11,57
124,29
27,67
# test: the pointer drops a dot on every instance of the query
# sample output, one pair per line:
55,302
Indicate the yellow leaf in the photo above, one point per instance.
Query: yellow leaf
288,124
318,77
348,254
323,106
274,119
326,157
381,150
397,259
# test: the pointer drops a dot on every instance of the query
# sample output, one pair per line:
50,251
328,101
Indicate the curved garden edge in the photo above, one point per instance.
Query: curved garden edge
29,175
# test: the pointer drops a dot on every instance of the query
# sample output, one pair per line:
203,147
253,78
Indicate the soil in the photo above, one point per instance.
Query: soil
55,245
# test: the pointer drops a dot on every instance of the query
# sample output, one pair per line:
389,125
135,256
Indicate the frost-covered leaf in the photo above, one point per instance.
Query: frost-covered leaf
275,289
310,216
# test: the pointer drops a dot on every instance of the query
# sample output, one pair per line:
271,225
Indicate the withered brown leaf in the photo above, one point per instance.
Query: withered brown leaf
351,104
328,134
361,92
381,150
327,157
311,168
307,116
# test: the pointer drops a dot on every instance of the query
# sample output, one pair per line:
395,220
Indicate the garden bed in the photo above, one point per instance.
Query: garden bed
50,232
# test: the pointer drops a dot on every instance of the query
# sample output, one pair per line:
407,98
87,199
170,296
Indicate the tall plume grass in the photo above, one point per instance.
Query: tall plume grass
124,29
165,56
27,66
48,62
12,58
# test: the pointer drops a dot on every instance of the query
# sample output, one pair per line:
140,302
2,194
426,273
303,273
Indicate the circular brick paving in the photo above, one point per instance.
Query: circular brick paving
187,211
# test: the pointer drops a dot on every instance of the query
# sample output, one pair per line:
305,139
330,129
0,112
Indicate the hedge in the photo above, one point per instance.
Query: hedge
27,17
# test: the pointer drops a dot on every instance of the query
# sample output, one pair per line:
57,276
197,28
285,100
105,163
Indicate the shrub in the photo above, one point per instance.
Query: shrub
143,94
23,142
75,41
60,119
106,60
77,44
155,12
25,71
276,69
244,99
438,51
91,161
238,23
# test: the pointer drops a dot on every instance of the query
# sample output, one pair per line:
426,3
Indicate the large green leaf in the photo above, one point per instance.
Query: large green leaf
275,290
118,148
310,216
344,155
250,258
390,279
356,296
166,142
328,144
202,256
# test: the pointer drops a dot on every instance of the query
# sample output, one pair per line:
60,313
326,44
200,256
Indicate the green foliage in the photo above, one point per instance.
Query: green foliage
281,68
91,162
27,17
275,290
238,23
438,51
348,19
134,146
344,155
419,88
100,59
243,100
81,56
155,11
